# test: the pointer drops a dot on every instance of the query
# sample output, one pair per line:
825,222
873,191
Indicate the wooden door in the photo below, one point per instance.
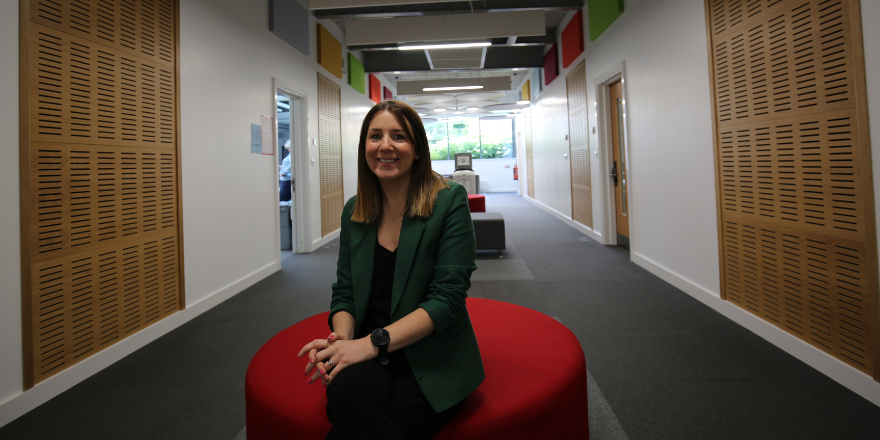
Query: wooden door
619,167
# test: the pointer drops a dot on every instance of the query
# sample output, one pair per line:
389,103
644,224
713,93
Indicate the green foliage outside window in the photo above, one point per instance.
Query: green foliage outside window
484,139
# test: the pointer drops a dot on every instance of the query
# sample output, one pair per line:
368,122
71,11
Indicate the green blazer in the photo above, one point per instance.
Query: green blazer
435,259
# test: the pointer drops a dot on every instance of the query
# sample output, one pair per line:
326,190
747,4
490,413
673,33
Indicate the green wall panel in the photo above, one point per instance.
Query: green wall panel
601,14
356,75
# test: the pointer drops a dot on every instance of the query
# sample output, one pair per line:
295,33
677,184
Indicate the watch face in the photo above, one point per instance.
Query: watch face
380,337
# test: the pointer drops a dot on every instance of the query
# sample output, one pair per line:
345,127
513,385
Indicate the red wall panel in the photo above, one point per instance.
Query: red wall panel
551,65
375,89
573,39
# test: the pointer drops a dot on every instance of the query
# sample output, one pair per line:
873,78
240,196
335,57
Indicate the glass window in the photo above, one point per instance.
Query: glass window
464,136
438,141
483,138
496,138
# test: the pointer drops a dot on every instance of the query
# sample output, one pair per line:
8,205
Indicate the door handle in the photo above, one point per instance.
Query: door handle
293,184
614,173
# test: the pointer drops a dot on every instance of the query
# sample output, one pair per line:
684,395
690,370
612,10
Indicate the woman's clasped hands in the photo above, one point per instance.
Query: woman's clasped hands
330,356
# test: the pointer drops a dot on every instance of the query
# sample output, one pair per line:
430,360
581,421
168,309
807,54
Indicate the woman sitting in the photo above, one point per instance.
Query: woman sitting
402,355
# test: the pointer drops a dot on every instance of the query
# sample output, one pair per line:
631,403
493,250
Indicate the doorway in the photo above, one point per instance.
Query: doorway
619,165
289,105
286,175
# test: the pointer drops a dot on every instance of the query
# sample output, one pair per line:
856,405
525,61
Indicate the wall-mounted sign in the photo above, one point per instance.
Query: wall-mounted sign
256,139
267,135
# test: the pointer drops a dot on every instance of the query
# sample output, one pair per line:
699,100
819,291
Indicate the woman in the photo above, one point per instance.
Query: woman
402,355
285,191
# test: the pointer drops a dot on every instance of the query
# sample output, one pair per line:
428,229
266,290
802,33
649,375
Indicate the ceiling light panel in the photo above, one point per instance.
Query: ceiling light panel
428,28
337,4
488,84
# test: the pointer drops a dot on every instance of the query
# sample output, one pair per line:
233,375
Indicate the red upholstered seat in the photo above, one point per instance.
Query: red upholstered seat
535,387
477,202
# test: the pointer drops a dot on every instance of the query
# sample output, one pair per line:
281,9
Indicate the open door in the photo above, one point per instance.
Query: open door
287,170
619,167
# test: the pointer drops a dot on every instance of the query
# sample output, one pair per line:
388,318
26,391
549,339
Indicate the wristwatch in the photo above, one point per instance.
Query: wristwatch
381,338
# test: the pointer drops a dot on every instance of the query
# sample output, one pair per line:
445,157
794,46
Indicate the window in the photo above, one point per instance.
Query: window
496,138
483,138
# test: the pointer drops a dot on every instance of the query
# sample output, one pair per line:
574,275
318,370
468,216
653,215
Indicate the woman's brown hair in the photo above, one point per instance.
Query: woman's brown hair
424,183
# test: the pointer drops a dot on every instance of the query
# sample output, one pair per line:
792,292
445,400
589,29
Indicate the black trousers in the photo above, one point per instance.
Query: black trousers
372,401
285,190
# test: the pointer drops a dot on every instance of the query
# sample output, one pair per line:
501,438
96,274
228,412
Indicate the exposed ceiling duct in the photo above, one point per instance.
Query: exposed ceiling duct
475,26
496,57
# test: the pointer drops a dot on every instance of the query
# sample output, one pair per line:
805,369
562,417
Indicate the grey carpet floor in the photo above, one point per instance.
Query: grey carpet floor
661,364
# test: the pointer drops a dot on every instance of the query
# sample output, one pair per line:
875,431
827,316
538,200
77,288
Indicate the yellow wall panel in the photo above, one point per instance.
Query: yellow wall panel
329,51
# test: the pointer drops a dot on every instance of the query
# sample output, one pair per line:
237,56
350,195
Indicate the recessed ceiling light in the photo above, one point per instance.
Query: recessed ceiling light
443,46
457,113
473,108
511,115
516,110
439,109
422,115
523,102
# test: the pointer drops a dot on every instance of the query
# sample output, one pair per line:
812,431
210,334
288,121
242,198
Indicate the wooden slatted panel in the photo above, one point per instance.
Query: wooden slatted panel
530,156
91,196
83,92
143,28
785,63
100,210
811,285
330,150
804,171
798,246
579,147
85,302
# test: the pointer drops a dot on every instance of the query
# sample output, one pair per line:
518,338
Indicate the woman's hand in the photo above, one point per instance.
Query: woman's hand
341,354
312,348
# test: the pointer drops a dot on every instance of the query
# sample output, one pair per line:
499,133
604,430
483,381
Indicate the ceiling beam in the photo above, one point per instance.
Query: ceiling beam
395,60
511,57
478,26
500,57
428,7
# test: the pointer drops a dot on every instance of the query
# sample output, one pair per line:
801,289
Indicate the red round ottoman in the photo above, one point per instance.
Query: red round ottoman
477,202
535,387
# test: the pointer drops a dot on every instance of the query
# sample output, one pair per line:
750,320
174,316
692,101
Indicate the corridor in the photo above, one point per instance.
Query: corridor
662,365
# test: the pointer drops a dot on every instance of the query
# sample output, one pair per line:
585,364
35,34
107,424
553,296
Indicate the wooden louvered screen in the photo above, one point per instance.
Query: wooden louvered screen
101,230
530,156
579,146
330,151
798,246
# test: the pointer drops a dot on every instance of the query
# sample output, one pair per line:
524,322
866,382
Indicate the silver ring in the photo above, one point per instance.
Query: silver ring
329,363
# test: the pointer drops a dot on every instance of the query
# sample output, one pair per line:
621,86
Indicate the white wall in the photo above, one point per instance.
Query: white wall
230,210
871,36
496,175
663,46
10,268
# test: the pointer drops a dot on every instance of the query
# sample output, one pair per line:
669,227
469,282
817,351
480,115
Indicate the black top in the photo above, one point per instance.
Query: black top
379,308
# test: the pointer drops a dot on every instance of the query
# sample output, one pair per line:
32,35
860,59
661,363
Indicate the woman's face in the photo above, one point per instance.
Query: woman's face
389,151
